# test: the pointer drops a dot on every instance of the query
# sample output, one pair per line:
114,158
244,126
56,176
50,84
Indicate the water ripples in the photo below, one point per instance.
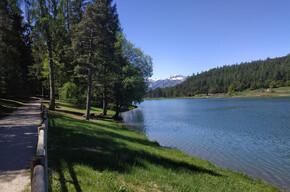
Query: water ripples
250,135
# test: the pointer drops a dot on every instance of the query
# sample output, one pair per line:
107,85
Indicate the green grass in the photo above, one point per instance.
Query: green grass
275,92
101,155
78,110
282,89
7,106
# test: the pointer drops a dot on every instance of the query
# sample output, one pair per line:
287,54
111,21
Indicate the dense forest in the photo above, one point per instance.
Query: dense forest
269,73
72,50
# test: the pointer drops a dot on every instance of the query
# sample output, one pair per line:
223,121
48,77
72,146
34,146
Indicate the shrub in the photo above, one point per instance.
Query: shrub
69,92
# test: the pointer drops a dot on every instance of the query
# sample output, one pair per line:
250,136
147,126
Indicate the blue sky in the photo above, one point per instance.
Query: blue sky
190,36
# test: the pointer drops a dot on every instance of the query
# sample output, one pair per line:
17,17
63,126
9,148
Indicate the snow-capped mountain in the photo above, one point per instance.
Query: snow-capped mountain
168,82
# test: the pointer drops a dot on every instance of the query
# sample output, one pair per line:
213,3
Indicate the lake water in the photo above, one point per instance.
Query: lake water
250,135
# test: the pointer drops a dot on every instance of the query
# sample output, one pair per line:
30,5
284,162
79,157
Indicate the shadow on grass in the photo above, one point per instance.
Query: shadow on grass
96,114
69,105
9,105
111,151
71,112
80,114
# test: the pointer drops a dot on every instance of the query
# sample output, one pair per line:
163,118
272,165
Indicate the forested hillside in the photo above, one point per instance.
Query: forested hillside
72,50
269,73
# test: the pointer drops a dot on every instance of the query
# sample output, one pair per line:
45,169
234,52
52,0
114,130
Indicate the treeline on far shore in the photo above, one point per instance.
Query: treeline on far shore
269,73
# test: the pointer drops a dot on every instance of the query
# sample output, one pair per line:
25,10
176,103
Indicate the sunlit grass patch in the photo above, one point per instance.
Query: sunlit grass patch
282,89
77,109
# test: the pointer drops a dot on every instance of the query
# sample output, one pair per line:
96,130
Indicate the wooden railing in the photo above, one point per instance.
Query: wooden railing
38,163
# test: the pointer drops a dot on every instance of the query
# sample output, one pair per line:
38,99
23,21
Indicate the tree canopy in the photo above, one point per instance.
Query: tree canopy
73,50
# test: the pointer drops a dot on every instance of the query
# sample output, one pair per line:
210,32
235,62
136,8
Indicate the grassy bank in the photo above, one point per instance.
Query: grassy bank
7,106
101,155
275,92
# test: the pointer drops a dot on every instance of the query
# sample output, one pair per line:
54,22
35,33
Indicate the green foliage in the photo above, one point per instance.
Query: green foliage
130,75
133,84
234,87
58,43
280,83
94,41
259,74
273,84
212,90
69,92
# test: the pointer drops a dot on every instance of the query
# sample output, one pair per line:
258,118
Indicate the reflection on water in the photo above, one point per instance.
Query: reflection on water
251,135
134,120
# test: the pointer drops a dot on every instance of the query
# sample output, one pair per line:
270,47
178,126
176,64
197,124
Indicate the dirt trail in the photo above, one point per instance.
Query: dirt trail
18,139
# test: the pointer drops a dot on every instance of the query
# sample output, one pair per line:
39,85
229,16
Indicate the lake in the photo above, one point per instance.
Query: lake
250,135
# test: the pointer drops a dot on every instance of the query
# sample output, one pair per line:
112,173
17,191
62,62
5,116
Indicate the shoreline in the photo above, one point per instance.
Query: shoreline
121,158
127,125
276,92
218,166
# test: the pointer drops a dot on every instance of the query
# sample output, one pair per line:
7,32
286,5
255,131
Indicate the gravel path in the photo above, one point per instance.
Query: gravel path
18,139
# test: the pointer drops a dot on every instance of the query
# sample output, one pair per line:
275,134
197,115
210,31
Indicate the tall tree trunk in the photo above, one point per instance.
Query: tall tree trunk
117,97
105,102
88,106
89,91
105,105
80,11
117,112
51,75
51,70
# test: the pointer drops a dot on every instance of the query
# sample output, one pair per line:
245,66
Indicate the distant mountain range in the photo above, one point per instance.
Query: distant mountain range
168,82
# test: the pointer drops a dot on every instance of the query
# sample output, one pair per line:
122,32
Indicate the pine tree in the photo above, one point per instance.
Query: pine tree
43,30
87,35
14,51
106,51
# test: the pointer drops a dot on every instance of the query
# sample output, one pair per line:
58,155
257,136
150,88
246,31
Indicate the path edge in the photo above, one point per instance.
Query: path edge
38,163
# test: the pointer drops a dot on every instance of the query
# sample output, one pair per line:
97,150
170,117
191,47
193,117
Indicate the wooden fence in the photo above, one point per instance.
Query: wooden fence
38,163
